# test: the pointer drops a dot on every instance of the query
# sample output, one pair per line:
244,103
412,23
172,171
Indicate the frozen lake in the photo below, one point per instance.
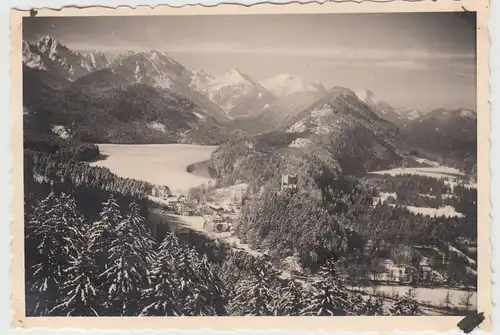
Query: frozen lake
159,164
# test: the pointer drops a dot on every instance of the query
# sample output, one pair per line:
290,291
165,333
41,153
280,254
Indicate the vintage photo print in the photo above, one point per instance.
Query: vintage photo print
305,162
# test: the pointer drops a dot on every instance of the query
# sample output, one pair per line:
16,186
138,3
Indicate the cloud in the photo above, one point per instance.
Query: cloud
403,64
337,53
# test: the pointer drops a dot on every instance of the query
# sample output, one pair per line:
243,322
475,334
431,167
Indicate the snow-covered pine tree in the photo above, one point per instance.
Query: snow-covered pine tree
144,238
160,298
127,272
171,245
407,305
329,296
103,232
367,306
213,286
57,237
81,294
43,210
255,294
290,301
193,296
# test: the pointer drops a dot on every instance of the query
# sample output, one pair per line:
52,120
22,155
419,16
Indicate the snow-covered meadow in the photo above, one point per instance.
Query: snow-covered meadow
434,171
426,295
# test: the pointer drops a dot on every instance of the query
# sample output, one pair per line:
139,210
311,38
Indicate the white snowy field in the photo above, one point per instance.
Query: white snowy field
425,295
158,164
227,195
446,211
434,171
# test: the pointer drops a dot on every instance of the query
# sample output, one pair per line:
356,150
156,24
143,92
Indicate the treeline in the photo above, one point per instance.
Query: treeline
463,158
397,224
424,191
47,169
65,149
465,201
82,174
408,184
411,190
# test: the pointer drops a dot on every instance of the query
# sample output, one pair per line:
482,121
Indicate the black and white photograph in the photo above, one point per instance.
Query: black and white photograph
321,164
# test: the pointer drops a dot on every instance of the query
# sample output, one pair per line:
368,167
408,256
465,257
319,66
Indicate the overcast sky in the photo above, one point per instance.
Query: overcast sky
411,60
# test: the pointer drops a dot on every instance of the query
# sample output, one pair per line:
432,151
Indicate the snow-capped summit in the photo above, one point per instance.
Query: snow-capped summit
123,55
286,84
466,113
151,67
50,47
158,69
380,107
49,54
201,81
234,91
46,43
411,114
367,96
318,87
97,59
235,77
31,57
400,116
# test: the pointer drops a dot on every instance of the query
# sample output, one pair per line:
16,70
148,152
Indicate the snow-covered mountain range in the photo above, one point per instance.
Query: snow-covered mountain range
399,116
235,92
285,84
154,68
48,54
230,95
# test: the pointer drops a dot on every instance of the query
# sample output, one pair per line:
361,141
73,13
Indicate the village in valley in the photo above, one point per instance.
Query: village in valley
219,210
219,207
218,217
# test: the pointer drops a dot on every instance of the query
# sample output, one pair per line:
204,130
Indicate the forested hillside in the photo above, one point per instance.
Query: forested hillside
447,136
89,252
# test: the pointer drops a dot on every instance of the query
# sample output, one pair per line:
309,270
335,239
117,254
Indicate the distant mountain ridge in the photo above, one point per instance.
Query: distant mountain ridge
100,78
285,84
448,135
49,54
235,92
383,109
152,68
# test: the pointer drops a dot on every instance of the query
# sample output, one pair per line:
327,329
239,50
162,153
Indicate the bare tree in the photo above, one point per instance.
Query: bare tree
392,277
467,300
447,300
